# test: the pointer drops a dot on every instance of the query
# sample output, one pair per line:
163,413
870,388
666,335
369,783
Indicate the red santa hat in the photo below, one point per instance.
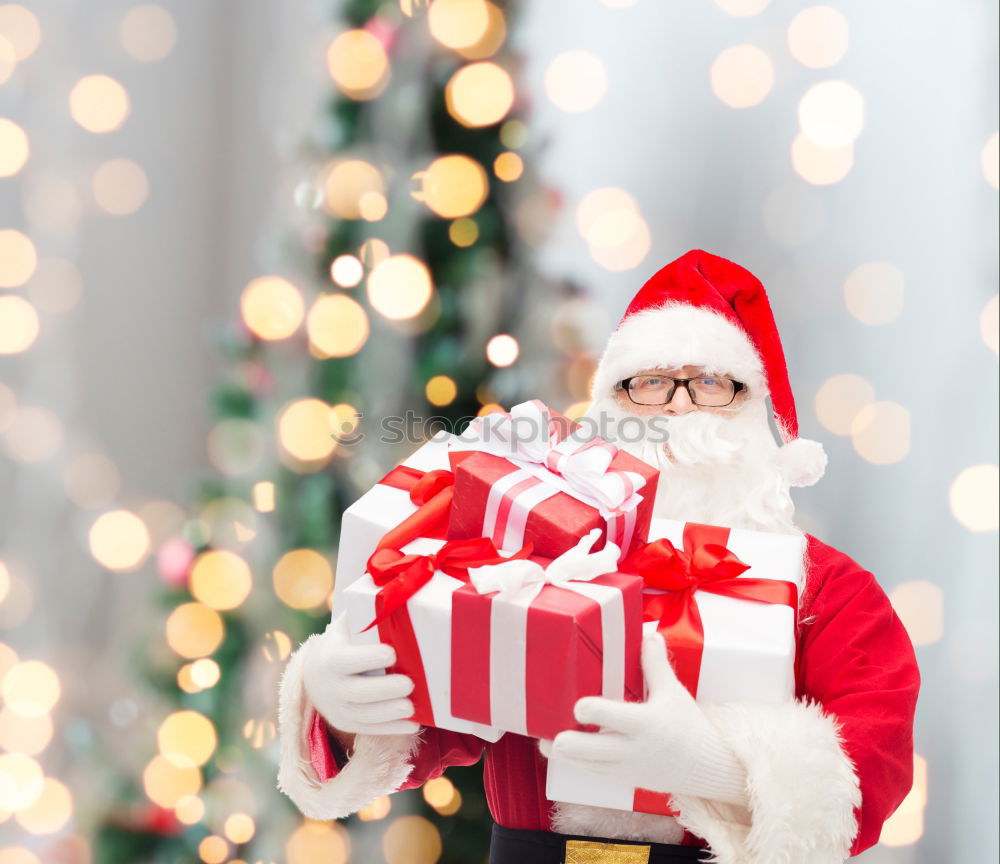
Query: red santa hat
702,310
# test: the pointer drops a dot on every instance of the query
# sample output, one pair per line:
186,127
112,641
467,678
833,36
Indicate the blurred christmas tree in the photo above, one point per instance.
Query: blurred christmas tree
410,294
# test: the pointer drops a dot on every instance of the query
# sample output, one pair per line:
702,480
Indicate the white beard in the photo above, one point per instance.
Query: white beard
717,469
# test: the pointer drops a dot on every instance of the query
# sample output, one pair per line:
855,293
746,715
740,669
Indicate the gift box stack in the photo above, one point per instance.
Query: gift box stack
482,557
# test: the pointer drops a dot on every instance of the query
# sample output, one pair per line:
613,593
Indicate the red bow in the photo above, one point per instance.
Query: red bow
705,564
401,575
431,492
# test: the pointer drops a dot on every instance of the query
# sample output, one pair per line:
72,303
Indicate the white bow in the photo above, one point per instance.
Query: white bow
526,578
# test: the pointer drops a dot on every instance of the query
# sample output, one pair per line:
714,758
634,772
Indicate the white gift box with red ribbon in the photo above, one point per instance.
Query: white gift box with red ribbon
748,652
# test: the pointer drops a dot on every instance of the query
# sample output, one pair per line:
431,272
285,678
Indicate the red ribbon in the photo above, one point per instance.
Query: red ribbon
431,492
705,564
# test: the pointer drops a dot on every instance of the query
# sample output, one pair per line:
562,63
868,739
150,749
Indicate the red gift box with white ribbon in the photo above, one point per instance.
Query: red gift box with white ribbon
530,477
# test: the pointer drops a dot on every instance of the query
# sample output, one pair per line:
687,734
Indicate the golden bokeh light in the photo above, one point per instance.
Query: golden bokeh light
120,186
373,252
839,399
259,732
187,738
458,23
576,81
239,828
378,809
346,183
18,324
337,325
742,76
440,390
989,324
99,103
235,446
18,258
346,271
920,606
303,579
316,841
358,64
400,287
271,307
974,498
479,94
50,811
205,673
513,134
220,579
120,541
490,408
628,254
411,840
227,522
21,781
818,37
492,39
185,681
14,148
743,8
190,809
439,792
306,429
502,350
28,735
373,206
20,30
990,160
17,854
508,167
263,496
577,410
821,166
91,480
832,114
873,293
880,432
463,232
277,646
194,630
906,826
56,286
452,186
31,688
213,849
148,32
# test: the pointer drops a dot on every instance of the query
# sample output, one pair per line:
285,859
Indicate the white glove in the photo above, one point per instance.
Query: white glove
665,744
349,700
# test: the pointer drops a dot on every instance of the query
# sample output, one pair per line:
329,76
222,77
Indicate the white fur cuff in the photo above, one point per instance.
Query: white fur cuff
379,764
802,789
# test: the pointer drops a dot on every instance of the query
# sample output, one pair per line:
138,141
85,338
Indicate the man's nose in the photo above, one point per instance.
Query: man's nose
680,403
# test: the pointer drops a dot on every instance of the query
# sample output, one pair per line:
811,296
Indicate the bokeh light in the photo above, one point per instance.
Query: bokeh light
818,37
974,498
316,841
378,809
272,307
411,840
439,792
187,738
358,65
479,94
205,673
8,60
989,324
346,183
119,540
400,287
303,579
346,271
99,103
239,827
873,293
235,446
50,811
508,167
821,166
906,826
452,186
120,186
458,23
832,114
920,606
21,781
31,689
213,849
14,148
991,161
514,134
463,232
190,809
839,399
19,28
194,630
440,390
18,258
617,236
167,784
337,325
306,429
220,579
742,76
263,496
880,432
18,855
18,324
492,39
743,8
259,732
576,81
148,32
34,434
502,350
56,286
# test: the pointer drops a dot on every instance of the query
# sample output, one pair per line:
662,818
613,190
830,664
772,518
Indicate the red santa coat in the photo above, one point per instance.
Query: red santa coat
825,771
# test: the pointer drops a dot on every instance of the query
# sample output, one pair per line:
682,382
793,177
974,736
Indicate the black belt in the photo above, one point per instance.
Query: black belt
511,846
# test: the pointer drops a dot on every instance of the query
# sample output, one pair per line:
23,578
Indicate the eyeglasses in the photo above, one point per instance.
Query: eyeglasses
707,391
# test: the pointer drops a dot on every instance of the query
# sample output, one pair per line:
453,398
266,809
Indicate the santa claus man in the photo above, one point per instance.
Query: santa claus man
810,781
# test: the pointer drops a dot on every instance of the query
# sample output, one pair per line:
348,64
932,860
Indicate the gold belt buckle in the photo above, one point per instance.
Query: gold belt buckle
595,852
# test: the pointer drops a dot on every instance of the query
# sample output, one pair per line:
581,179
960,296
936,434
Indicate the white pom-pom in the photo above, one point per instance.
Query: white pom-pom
803,461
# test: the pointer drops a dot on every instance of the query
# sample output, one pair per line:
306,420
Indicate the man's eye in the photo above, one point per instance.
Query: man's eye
710,382
651,382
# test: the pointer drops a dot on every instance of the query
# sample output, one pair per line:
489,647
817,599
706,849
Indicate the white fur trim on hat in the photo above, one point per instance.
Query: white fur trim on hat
802,787
379,764
675,335
802,461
